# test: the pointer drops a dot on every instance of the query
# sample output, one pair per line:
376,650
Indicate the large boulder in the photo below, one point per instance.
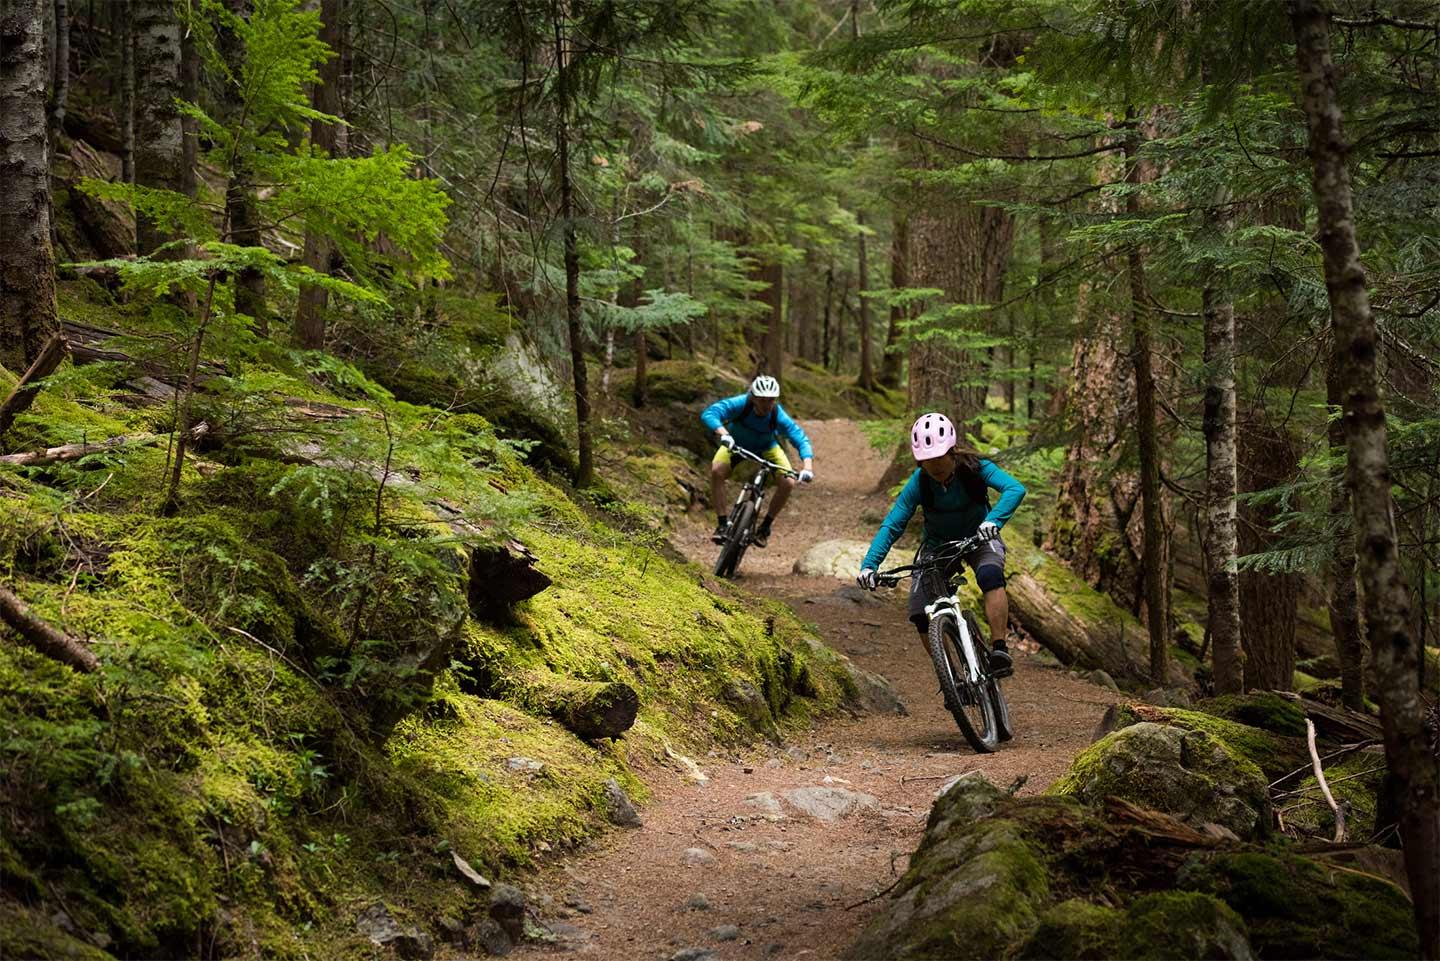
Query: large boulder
837,558
1275,754
1189,774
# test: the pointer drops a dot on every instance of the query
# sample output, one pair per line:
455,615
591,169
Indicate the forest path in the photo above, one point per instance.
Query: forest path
787,885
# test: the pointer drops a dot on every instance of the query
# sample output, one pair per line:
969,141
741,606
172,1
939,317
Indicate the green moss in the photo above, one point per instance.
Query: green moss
1264,710
1192,775
1077,930
1182,925
1296,908
1354,783
1274,755
26,934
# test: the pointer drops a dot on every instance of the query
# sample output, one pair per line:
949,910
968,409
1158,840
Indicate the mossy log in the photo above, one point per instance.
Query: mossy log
1070,637
44,638
591,709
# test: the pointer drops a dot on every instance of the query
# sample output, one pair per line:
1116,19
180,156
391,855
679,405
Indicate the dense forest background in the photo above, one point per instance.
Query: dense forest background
1175,262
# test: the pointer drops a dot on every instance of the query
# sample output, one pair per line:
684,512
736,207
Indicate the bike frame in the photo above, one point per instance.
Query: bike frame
755,486
950,603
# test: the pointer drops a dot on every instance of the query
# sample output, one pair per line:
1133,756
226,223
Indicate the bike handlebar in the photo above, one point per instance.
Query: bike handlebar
943,553
751,455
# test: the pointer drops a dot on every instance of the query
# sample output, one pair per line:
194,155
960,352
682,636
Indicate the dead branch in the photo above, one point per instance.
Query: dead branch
68,452
1320,777
28,387
44,638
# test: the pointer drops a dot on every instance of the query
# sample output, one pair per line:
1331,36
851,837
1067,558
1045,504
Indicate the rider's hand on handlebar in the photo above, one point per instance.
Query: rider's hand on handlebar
727,441
806,476
988,531
868,579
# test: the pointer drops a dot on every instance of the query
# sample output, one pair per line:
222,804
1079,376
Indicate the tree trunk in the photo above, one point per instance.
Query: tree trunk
862,268
1268,457
27,262
1221,548
60,81
1153,560
1342,601
127,94
242,212
159,146
585,473
891,364
829,308
1386,598
772,353
963,250
324,137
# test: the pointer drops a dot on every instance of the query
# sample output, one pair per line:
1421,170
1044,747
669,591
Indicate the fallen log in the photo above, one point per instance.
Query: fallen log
44,638
1337,723
1076,640
28,387
69,452
590,709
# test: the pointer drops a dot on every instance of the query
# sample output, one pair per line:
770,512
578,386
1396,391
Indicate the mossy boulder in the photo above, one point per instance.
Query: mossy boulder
1182,925
1265,710
1075,930
1275,754
1187,773
1296,908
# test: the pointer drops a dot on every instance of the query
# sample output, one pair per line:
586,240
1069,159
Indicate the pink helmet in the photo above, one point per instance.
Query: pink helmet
932,435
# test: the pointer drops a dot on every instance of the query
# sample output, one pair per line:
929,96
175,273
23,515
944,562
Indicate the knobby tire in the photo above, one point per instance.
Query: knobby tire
734,547
983,731
1001,706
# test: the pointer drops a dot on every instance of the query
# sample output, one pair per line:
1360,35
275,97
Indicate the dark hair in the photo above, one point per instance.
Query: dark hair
967,464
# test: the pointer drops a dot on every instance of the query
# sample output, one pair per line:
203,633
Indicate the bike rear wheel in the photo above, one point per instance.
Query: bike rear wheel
972,705
997,696
736,540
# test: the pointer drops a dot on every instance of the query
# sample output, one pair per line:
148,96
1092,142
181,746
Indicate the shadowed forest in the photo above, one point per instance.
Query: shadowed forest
355,502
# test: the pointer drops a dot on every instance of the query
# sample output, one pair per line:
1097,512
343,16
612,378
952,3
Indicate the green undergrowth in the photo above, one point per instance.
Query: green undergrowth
297,714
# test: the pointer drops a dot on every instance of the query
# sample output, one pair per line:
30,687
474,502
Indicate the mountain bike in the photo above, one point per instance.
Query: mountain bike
747,508
957,647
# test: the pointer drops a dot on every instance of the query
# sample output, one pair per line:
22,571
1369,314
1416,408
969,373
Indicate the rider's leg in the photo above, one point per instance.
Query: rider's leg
997,613
783,486
719,471
782,494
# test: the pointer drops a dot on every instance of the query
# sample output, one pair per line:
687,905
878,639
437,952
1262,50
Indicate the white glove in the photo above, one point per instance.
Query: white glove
727,441
988,531
868,579
806,476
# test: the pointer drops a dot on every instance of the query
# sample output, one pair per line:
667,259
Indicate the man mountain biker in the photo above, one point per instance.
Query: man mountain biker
951,483
754,420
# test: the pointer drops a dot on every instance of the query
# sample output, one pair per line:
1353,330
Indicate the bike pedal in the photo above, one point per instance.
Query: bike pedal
1002,672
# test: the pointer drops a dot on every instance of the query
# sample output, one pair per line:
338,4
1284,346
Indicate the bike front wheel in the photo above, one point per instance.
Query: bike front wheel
735,540
972,705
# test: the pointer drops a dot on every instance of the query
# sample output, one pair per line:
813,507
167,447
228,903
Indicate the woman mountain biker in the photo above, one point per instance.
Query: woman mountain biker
952,483
754,420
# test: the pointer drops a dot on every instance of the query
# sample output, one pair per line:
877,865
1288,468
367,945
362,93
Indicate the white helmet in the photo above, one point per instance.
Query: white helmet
765,386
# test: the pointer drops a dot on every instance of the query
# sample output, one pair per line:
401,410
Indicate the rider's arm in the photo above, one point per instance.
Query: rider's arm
724,410
795,435
1012,492
894,523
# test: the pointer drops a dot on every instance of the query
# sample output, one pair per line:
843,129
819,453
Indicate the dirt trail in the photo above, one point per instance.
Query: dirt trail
788,886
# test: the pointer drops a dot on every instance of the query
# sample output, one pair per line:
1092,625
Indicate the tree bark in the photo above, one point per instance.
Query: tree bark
772,351
27,262
1386,598
891,364
829,309
585,473
1153,560
127,95
862,268
39,635
1342,600
242,212
1221,548
60,81
159,146
324,138
1268,457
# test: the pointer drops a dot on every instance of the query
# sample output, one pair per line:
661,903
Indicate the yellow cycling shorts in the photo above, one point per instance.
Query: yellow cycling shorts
775,455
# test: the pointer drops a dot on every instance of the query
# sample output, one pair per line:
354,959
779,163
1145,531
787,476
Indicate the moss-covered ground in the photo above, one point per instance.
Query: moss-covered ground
297,714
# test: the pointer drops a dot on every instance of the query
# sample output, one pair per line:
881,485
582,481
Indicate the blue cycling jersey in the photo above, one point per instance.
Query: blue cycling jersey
753,431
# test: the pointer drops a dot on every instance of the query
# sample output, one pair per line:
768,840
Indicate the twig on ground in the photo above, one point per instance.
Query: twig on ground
876,896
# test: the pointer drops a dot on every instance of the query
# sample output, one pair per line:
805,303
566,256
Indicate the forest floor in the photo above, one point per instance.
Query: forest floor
730,868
